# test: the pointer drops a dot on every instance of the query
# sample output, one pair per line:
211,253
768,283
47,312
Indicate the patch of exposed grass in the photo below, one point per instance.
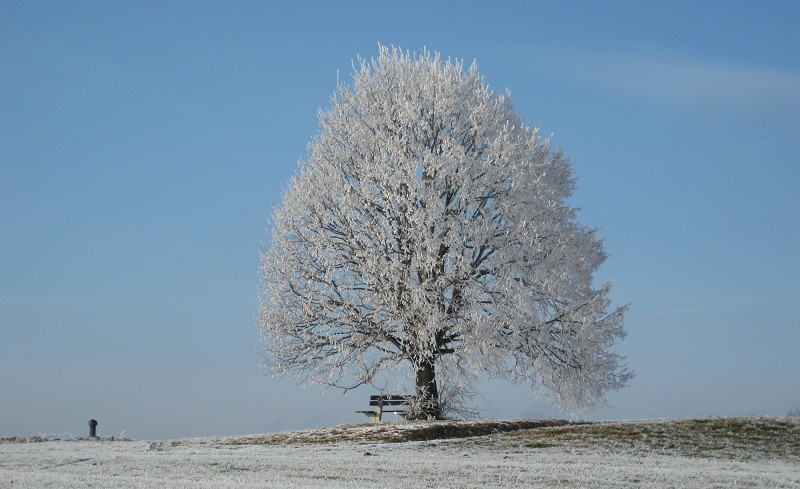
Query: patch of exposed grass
392,432
389,432
736,438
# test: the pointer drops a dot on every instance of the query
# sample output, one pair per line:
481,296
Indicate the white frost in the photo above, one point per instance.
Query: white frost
212,463
428,229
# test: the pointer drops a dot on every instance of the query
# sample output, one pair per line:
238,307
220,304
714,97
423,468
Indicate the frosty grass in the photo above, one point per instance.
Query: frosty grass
707,453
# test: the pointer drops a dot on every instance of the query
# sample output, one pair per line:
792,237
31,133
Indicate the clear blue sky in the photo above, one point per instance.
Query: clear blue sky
143,145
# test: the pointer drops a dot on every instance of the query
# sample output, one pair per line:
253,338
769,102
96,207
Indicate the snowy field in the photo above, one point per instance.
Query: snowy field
576,457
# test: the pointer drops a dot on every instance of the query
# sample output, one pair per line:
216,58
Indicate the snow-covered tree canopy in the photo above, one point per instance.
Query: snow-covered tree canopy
428,232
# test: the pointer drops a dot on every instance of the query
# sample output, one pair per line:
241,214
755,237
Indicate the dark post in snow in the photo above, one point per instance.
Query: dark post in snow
92,428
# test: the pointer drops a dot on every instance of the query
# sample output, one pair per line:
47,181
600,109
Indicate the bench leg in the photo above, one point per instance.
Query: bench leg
374,417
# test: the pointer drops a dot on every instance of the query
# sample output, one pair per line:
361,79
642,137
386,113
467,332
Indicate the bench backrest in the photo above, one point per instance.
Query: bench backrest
389,400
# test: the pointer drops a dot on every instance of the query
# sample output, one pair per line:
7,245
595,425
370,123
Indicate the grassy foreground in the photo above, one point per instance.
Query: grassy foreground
730,453
743,438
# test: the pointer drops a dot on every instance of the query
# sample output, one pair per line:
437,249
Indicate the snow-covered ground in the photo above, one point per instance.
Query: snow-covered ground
487,462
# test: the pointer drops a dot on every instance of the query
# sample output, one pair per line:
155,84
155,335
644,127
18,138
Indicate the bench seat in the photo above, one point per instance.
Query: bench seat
396,403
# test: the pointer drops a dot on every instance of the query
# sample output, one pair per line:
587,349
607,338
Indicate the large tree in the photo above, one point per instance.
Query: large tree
427,231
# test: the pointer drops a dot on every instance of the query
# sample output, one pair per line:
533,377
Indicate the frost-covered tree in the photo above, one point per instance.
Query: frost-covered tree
427,232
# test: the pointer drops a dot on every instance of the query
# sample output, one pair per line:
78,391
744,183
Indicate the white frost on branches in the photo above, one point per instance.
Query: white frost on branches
428,227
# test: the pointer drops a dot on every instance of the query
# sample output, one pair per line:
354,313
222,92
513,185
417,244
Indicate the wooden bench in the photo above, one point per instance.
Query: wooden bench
397,404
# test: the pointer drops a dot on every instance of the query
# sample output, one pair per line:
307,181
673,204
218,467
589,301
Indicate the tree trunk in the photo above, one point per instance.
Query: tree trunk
427,392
